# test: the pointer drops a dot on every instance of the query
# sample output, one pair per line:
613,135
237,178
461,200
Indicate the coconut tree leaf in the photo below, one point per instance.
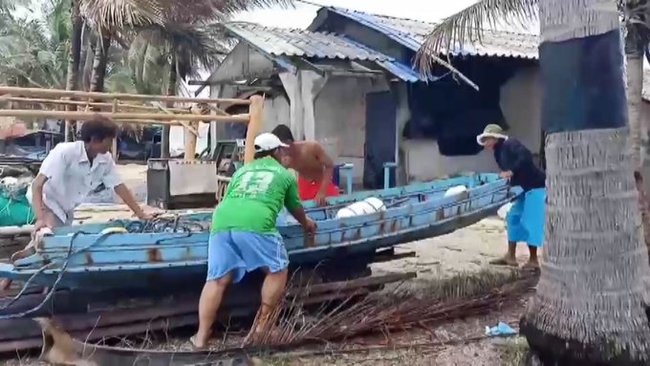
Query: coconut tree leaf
468,25
117,14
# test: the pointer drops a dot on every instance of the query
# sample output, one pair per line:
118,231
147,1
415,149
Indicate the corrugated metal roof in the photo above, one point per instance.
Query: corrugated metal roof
303,43
280,42
412,34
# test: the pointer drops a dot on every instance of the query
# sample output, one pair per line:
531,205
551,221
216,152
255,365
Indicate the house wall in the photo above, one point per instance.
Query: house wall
340,116
520,104
340,111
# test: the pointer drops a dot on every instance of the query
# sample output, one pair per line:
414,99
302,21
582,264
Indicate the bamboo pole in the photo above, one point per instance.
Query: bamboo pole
154,117
90,104
56,93
162,108
254,126
190,139
218,110
114,147
190,143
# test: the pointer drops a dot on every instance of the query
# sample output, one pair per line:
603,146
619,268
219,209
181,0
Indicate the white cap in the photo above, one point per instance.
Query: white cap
267,142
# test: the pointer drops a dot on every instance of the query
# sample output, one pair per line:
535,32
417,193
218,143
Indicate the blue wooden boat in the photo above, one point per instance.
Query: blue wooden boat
83,256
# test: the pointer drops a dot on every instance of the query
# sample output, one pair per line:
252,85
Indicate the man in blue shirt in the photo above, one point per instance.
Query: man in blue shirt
525,220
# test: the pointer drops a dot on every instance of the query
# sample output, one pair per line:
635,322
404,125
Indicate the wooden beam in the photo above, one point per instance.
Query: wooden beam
56,93
154,117
254,126
88,104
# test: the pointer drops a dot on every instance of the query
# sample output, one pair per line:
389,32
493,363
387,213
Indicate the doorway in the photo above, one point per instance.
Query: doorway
381,134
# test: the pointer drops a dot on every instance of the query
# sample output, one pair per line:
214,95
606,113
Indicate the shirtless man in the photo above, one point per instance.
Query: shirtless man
314,167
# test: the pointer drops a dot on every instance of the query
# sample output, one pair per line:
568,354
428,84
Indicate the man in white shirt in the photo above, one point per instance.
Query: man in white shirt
72,170
68,174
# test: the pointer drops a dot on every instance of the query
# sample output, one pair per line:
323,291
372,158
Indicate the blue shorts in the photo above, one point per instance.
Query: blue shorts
525,220
241,252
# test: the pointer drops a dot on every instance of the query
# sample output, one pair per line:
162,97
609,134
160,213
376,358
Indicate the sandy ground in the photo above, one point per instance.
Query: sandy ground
466,250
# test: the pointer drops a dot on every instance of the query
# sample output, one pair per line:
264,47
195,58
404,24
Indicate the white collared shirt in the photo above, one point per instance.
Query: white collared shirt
70,177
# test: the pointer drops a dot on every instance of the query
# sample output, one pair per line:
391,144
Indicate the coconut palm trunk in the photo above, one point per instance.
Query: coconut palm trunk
590,306
72,82
635,46
171,90
634,70
100,62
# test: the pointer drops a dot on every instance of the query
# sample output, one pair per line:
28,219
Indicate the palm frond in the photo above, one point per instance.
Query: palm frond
468,26
211,10
117,14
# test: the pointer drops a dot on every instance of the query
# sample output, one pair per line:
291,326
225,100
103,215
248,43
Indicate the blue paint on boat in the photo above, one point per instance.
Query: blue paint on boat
121,260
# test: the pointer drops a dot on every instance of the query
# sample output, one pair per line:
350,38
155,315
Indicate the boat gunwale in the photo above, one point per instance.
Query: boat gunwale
364,220
363,242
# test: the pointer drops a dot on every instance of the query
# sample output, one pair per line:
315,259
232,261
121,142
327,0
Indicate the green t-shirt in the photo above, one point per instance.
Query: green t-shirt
255,196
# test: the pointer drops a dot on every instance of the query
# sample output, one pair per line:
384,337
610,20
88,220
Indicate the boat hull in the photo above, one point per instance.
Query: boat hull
143,260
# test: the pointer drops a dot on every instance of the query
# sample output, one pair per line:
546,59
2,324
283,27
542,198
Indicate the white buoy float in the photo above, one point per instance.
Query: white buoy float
455,190
502,212
367,206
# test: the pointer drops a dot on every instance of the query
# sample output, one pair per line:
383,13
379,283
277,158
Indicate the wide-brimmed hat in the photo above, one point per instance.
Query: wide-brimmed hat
491,131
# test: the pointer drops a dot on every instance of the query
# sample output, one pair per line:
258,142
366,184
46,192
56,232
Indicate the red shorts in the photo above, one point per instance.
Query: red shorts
308,189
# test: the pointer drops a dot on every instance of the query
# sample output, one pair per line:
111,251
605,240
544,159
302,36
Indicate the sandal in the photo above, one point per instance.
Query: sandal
530,266
504,262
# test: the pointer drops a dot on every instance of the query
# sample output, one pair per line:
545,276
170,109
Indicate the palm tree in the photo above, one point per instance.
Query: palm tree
33,53
108,17
590,306
185,30
188,38
183,43
637,40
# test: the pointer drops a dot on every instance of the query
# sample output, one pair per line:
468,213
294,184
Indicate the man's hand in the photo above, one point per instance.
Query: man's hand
506,175
39,224
310,226
320,199
146,216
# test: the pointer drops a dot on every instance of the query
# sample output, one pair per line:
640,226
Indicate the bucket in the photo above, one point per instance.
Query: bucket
336,175
367,206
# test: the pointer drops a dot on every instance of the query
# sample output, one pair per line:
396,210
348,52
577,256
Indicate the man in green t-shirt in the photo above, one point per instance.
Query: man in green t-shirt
244,236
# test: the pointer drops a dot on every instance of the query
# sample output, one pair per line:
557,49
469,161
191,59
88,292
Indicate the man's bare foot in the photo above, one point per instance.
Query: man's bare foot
505,261
4,284
194,340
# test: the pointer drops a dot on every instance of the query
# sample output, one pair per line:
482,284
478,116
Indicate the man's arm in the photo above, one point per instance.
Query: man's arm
294,206
37,197
112,180
126,196
328,169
